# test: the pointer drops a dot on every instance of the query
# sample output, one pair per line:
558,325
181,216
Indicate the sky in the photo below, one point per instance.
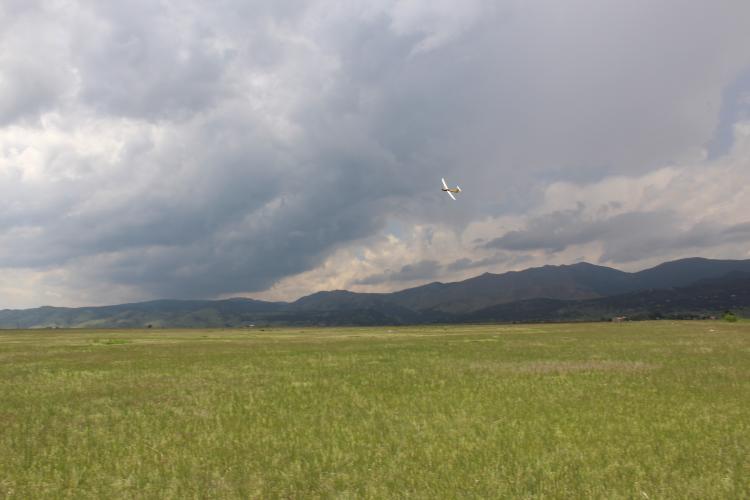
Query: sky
274,148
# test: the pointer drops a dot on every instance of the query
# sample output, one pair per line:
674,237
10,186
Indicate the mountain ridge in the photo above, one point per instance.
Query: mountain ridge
467,300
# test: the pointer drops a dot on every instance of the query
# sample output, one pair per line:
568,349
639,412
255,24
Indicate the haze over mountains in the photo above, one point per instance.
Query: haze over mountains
683,288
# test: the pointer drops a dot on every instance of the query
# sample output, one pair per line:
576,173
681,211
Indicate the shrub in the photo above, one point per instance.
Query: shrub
730,316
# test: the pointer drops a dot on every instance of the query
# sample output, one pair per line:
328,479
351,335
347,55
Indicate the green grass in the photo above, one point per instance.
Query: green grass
638,410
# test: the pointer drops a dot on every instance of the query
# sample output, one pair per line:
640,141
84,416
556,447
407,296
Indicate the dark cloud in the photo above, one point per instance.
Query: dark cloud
551,232
187,150
625,237
144,59
507,259
32,79
736,232
735,107
423,270
556,231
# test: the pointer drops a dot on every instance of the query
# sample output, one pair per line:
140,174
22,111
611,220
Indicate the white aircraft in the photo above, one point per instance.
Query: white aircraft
450,191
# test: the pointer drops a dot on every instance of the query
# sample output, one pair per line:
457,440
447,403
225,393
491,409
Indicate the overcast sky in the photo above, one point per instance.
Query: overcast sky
273,148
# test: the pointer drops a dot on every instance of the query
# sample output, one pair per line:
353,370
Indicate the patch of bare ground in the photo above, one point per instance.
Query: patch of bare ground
562,367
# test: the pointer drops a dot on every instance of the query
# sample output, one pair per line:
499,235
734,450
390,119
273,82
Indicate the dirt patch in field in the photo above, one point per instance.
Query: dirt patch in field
561,367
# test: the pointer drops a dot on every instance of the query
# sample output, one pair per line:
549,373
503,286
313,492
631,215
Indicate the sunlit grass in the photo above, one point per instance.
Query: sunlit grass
641,410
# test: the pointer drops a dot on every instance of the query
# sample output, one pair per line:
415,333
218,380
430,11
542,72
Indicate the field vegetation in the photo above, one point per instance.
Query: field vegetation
631,410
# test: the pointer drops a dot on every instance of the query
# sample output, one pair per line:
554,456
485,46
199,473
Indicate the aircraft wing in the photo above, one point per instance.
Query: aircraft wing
451,195
444,184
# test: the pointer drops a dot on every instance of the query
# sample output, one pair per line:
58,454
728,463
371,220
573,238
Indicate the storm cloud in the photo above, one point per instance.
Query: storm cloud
271,148
423,270
626,237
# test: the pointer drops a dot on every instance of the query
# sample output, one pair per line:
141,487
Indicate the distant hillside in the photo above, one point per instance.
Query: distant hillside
567,282
158,313
577,281
551,293
683,272
702,299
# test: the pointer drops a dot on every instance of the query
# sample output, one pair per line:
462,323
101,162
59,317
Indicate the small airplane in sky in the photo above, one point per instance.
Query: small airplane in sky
450,191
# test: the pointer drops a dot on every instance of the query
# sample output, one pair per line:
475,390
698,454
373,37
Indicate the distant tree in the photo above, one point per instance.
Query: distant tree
729,316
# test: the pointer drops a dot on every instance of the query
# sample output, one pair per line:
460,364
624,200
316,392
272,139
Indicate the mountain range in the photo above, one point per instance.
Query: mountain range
694,287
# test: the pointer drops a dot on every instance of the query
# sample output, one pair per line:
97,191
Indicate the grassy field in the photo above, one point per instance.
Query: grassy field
638,410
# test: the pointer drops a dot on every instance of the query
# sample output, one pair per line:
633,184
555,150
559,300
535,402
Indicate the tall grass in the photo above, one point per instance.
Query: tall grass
642,410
